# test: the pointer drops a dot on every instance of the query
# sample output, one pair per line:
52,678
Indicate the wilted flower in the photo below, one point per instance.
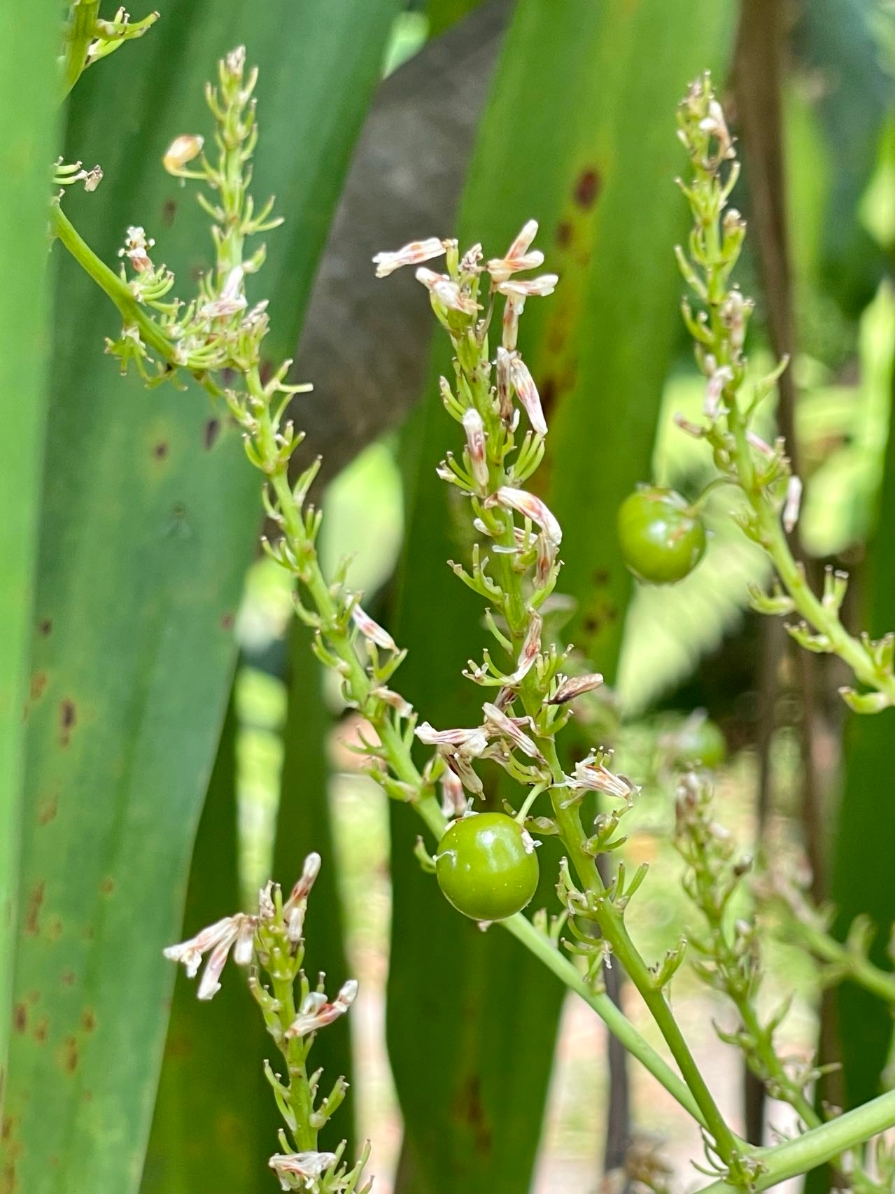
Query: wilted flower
475,445
527,287
509,728
573,686
528,394
316,1013
304,1166
530,507
219,939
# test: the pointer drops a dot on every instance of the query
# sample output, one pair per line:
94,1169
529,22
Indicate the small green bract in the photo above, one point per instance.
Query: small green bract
486,866
661,538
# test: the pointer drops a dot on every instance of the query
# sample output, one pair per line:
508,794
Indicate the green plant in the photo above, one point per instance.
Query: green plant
531,677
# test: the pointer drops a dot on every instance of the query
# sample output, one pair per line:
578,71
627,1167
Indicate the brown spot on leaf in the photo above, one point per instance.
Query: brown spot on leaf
587,188
563,233
212,431
68,978
69,1055
169,210
20,1017
226,622
548,396
68,715
160,451
38,685
47,811
6,1127
265,372
41,1029
88,1019
471,1111
45,626
107,886
32,908
54,928
601,578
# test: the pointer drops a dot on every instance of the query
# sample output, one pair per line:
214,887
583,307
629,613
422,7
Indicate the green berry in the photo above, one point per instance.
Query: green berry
486,866
662,540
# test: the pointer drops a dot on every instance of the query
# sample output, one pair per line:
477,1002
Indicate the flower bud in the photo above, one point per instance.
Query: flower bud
183,149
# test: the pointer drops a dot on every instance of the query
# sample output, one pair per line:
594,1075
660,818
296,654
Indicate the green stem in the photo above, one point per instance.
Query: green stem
615,1020
77,42
616,935
820,1145
857,967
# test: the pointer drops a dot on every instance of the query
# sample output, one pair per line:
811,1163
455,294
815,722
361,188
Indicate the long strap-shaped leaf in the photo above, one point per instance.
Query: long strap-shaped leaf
27,142
149,519
579,133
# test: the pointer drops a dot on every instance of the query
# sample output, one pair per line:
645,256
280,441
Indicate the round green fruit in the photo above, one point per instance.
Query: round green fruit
486,866
700,742
661,538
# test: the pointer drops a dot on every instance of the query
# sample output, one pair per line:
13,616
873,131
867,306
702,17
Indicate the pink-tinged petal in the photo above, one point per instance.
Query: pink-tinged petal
209,984
504,401
309,872
475,446
412,254
512,309
453,796
510,729
529,506
372,631
309,1165
529,287
529,653
319,1015
393,699
528,394
793,502
456,738
573,686
447,292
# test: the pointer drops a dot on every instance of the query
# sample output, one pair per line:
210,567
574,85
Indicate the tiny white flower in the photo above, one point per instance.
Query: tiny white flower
528,394
319,1014
793,502
183,149
412,254
446,291
529,506
517,257
372,631
509,728
217,940
528,287
475,445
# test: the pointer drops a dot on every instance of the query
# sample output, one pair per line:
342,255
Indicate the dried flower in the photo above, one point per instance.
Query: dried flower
509,727
315,1014
573,686
305,1166
217,940
527,287
475,445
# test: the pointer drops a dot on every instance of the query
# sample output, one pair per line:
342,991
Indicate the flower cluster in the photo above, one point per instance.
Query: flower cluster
270,943
760,471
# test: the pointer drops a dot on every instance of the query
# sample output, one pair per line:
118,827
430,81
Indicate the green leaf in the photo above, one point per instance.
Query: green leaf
303,825
149,519
579,133
215,1123
864,844
27,145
